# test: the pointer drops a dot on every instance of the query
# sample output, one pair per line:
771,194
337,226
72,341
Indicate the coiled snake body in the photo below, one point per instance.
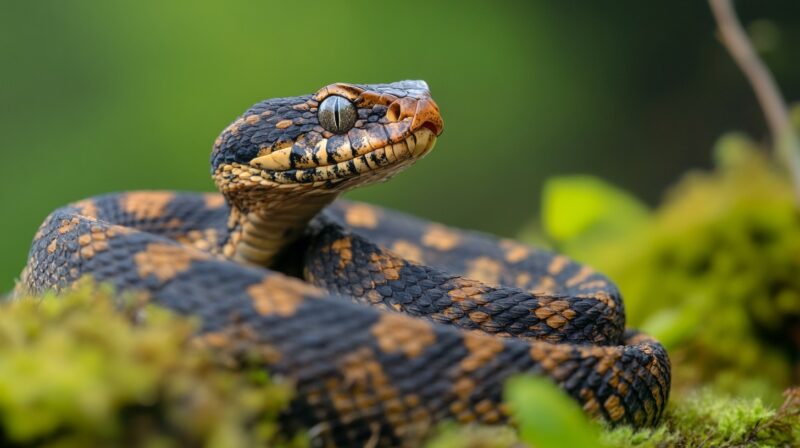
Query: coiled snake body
395,324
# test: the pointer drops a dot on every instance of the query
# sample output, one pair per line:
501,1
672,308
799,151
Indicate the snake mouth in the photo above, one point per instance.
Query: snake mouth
285,167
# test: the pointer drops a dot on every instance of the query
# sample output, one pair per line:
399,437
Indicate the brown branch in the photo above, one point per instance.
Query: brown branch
769,97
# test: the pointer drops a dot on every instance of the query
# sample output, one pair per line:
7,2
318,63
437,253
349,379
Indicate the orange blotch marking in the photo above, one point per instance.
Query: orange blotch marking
85,239
550,356
204,240
466,418
458,407
479,317
361,215
516,252
68,225
557,265
283,124
366,386
622,387
413,400
214,201
607,357
595,284
548,309
656,395
440,237
484,406
590,404
546,285
165,261
484,269
280,296
482,350
51,248
87,253
398,333
386,265
466,289
87,208
374,297
614,408
344,248
146,205
602,297
391,274
523,280
556,321
407,250
252,119
463,387
584,273
492,417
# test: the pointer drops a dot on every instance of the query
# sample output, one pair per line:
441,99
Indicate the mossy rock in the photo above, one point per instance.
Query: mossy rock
713,272
84,369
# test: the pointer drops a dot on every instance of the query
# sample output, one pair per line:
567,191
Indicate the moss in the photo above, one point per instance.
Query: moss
74,371
708,419
702,419
713,272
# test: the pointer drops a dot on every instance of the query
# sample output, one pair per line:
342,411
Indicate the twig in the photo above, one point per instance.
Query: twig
769,97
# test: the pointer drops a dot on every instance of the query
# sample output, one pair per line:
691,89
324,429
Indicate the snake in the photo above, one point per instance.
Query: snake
385,324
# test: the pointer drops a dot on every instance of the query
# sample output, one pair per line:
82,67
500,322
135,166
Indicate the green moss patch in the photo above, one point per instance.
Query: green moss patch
75,371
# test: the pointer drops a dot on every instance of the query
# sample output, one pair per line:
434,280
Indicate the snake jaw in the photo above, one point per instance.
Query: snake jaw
283,167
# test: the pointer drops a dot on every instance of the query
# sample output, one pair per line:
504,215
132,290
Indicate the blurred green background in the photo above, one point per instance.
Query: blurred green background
104,96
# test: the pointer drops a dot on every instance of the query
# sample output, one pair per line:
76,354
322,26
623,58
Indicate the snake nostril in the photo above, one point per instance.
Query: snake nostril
393,113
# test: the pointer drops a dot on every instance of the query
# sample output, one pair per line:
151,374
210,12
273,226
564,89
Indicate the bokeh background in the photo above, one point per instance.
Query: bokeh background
105,96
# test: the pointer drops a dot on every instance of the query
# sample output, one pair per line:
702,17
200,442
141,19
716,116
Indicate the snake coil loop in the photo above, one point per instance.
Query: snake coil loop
397,323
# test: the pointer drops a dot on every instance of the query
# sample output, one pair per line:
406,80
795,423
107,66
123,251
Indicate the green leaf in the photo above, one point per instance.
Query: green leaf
576,205
673,326
547,417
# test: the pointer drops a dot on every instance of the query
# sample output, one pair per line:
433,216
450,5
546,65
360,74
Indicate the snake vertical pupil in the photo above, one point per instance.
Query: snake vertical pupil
337,114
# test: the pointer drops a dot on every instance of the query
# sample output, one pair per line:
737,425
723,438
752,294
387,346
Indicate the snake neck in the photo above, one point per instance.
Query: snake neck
259,232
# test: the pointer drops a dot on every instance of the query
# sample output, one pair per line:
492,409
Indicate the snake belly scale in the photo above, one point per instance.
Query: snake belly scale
385,324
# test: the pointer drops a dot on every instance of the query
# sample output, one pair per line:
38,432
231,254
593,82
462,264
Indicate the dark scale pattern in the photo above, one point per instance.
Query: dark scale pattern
249,138
534,263
356,369
377,277
180,214
414,323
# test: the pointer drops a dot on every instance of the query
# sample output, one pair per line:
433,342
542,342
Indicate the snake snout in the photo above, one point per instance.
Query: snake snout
424,113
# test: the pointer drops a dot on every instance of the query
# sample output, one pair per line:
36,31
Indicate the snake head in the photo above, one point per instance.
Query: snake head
342,136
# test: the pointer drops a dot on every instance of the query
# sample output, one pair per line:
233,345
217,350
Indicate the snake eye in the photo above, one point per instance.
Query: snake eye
337,114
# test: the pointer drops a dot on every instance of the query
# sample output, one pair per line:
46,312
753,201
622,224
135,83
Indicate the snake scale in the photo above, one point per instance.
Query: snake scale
386,324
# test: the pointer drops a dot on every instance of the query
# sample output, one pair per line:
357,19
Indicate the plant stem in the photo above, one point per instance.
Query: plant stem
733,36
